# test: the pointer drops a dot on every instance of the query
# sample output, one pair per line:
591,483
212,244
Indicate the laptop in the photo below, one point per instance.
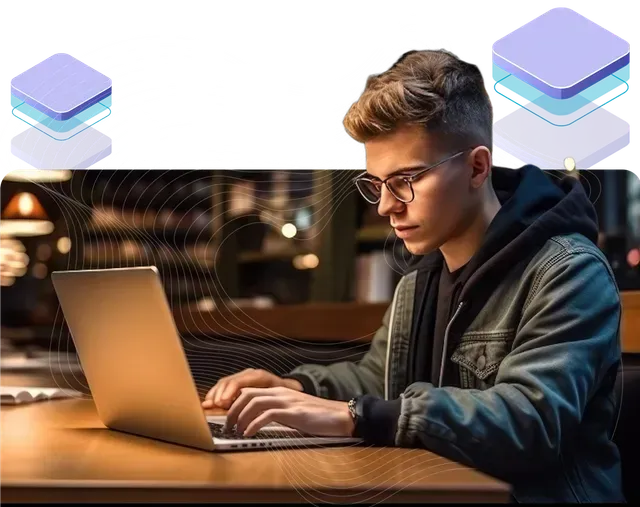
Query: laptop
136,368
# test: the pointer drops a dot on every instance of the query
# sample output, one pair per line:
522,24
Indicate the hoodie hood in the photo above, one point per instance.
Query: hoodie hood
534,209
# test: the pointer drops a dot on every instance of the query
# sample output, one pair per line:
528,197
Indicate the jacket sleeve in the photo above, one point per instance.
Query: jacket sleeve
347,379
567,341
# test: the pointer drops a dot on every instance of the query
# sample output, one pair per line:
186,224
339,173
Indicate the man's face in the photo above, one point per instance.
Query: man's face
444,197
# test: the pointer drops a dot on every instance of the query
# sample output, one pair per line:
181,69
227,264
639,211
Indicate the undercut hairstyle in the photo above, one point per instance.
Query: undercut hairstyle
433,88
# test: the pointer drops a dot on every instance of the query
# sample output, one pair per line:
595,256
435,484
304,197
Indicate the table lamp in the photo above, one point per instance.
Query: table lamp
24,216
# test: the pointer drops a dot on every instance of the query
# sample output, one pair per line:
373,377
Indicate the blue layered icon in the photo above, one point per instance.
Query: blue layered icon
61,99
561,69
584,102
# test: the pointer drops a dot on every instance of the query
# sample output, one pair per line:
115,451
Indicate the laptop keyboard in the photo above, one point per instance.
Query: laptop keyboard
218,431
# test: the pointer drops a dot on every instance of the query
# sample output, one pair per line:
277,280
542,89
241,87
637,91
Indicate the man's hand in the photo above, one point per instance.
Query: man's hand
257,407
228,388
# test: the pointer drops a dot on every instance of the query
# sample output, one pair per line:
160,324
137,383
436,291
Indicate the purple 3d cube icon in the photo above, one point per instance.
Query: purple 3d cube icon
57,98
562,68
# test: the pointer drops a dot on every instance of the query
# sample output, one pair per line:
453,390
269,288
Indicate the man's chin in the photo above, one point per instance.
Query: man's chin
418,248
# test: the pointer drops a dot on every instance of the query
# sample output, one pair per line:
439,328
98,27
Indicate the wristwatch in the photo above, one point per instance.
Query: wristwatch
352,408
352,404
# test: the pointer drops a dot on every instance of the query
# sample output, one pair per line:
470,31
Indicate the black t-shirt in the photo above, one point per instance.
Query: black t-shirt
444,312
432,325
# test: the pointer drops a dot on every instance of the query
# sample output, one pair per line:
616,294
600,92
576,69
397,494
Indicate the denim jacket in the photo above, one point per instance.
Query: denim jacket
535,361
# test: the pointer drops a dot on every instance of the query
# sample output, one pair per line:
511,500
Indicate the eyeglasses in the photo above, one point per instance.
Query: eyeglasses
399,185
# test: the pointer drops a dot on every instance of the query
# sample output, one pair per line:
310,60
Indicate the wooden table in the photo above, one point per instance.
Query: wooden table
60,451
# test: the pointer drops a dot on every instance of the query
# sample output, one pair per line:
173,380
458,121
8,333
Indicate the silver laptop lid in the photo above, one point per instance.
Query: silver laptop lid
131,353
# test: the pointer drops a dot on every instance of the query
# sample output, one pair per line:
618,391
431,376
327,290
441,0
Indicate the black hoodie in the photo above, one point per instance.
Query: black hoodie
536,206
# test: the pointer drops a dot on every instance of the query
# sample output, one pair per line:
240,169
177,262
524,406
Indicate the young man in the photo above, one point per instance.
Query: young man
501,346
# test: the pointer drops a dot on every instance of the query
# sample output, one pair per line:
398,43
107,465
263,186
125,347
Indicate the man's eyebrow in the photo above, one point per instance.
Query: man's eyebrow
398,172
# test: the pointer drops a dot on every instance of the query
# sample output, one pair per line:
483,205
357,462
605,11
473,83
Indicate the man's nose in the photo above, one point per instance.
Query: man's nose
389,203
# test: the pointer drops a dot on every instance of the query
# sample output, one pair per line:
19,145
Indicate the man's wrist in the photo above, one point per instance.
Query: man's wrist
377,419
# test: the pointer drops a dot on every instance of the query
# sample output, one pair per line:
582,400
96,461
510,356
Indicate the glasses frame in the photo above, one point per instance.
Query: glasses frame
407,179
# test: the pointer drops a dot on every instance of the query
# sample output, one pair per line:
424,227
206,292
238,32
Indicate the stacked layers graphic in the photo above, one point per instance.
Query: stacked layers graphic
61,99
561,69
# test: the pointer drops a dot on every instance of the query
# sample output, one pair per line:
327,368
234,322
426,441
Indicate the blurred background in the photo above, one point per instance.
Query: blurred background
261,268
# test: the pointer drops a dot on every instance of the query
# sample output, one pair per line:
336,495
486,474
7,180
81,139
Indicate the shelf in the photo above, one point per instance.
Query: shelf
170,266
375,234
153,202
148,233
317,322
281,255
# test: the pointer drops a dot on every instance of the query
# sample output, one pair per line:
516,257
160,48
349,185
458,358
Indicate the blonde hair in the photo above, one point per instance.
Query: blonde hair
431,88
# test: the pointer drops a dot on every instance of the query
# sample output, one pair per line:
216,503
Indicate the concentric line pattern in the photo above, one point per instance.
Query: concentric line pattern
209,361
104,236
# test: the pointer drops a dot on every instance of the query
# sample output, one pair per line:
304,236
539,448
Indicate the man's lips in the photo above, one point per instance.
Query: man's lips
403,231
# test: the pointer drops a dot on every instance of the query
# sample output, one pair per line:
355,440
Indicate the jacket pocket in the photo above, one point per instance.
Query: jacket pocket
478,359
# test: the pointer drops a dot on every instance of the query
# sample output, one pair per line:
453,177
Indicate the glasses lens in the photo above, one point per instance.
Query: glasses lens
370,190
400,188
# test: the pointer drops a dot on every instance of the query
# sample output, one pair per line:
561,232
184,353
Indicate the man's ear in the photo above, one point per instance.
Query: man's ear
480,161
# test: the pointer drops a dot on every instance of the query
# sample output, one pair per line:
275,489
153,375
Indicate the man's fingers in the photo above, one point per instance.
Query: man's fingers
241,402
231,392
227,389
210,396
279,415
246,378
257,406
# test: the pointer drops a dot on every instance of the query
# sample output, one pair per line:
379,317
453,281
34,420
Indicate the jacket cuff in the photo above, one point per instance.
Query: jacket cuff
308,386
377,420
